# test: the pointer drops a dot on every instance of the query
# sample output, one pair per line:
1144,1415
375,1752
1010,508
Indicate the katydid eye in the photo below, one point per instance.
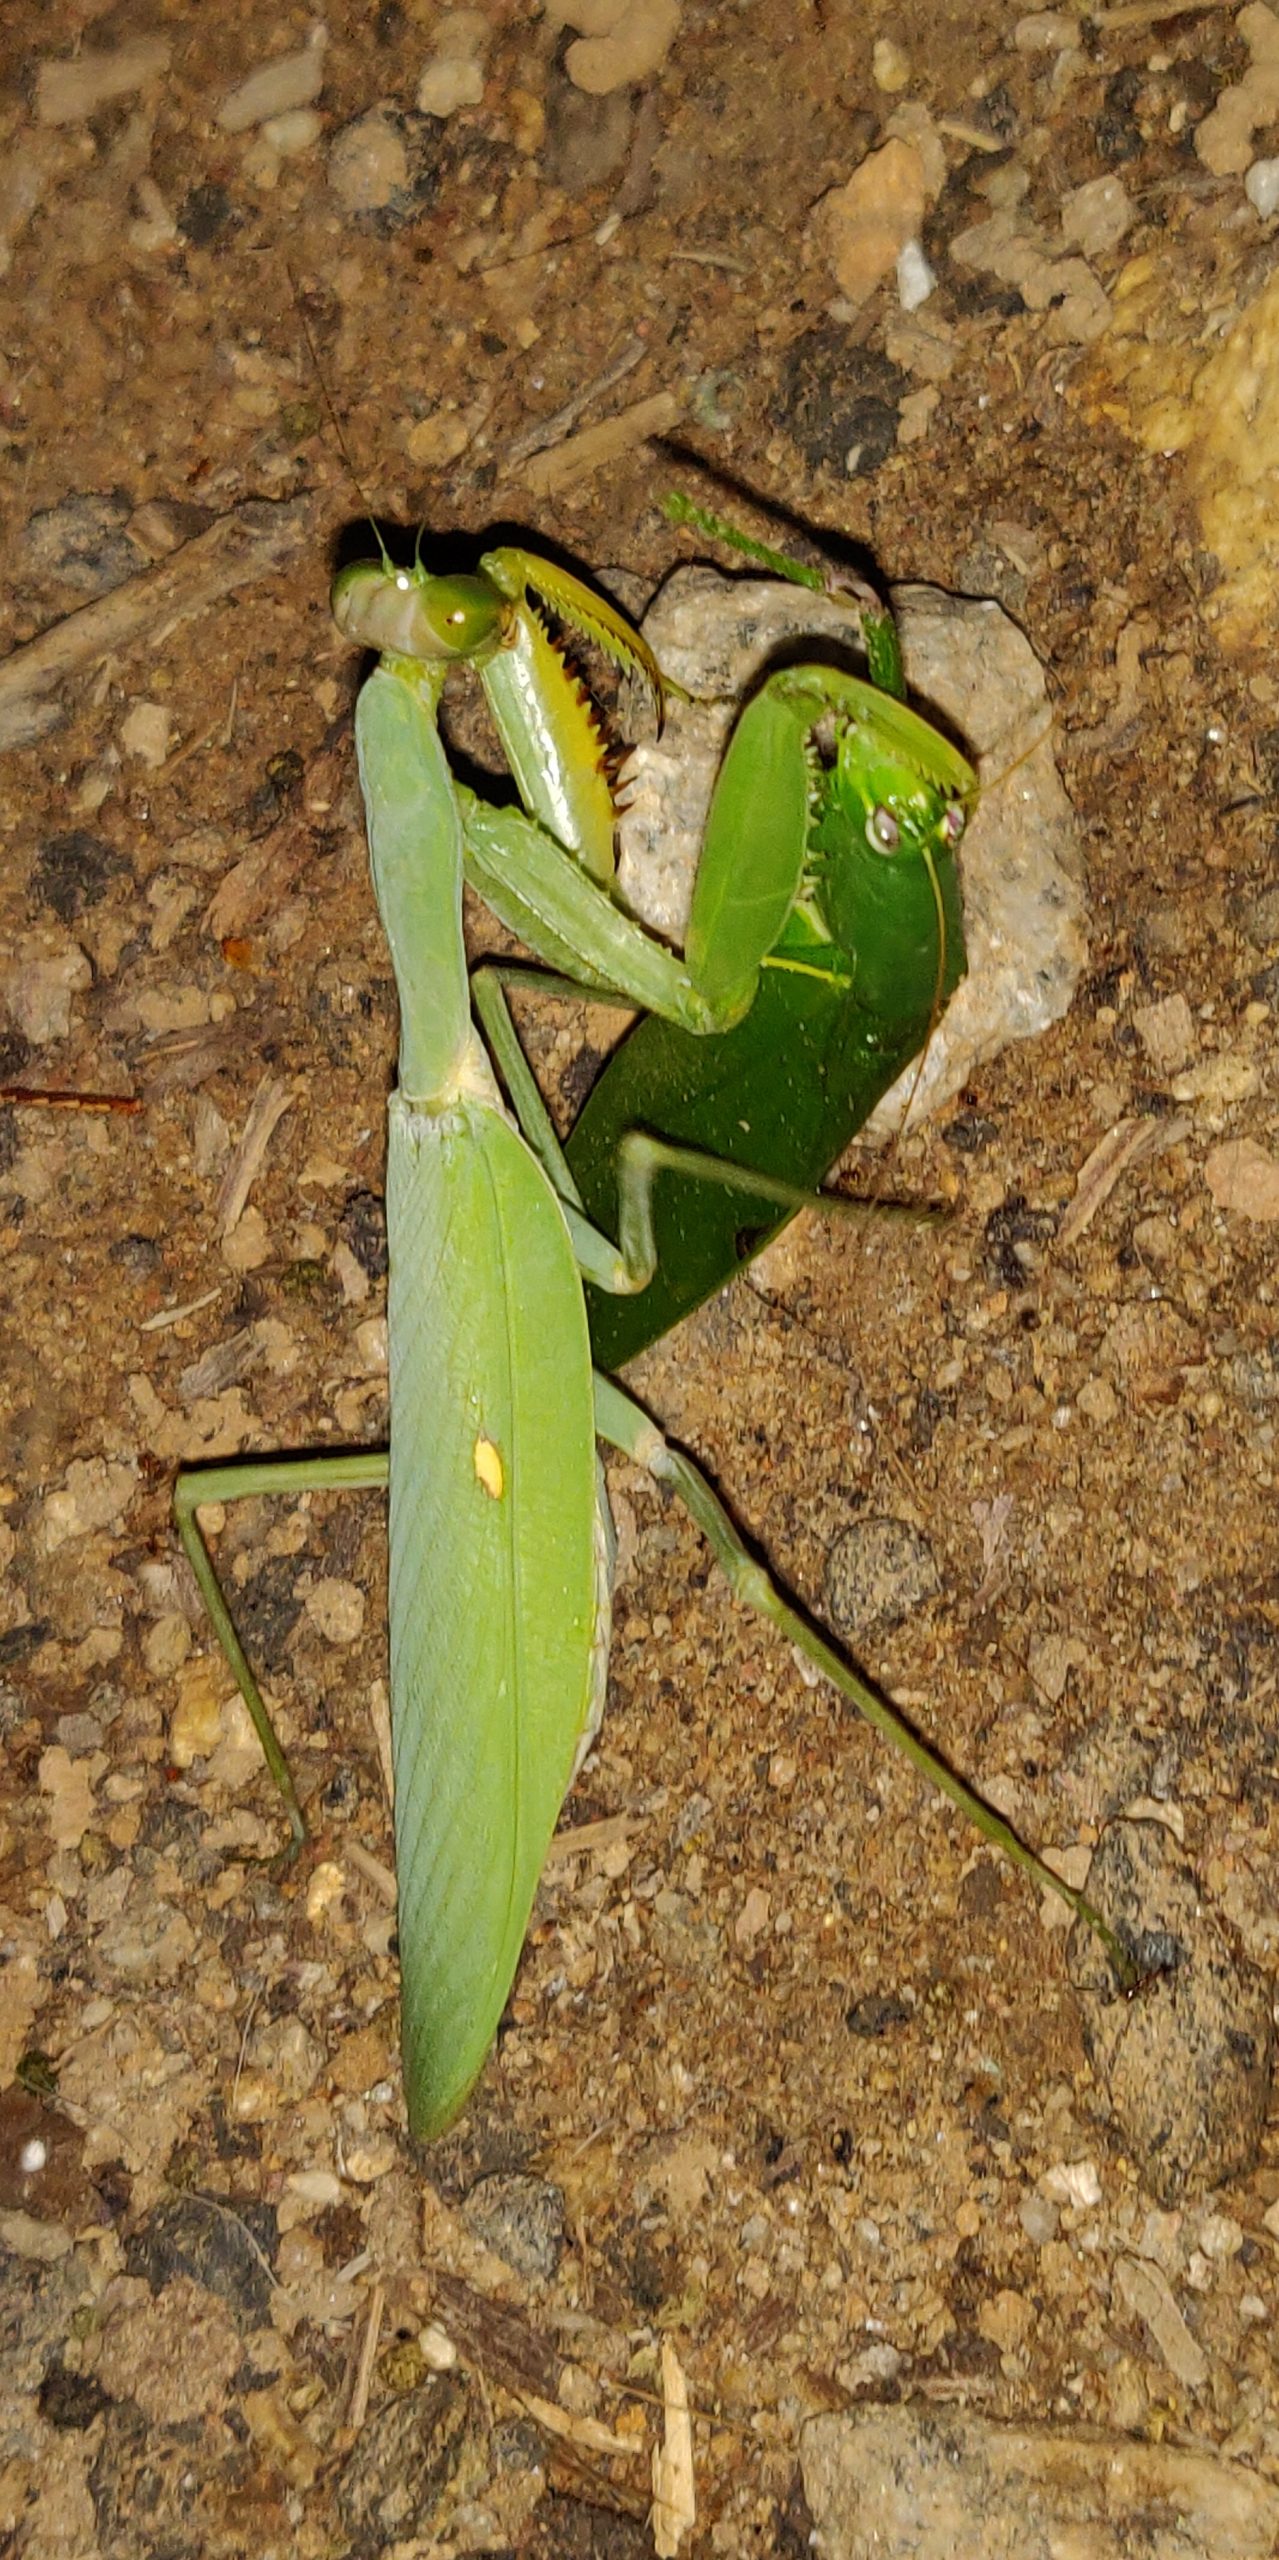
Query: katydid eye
953,822
882,830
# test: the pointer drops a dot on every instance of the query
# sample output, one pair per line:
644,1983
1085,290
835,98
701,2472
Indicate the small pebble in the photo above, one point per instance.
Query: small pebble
1096,216
1261,187
448,84
890,65
369,163
248,1246
454,76
752,1919
278,87
1223,137
637,43
293,133
325,1890
1045,31
336,1609
1039,2219
864,226
69,92
878,1574
1220,2236
147,733
1074,2183
1007,2320
435,441
370,1346
94,1495
1244,1178
1218,1082
166,1645
915,278
316,2187
522,2220
1166,1031
372,2157
1097,1399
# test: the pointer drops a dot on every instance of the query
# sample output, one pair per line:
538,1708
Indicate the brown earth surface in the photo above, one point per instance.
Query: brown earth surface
793,2077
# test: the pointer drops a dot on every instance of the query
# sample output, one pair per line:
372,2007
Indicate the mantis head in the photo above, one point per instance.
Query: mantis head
409,614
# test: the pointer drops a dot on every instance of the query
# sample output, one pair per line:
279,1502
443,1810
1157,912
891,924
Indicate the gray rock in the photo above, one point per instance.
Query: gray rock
522,2219
877,1573
80,543
1186,2063
925,2484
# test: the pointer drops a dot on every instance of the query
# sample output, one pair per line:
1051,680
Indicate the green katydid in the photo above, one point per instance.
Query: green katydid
851,990
499,1534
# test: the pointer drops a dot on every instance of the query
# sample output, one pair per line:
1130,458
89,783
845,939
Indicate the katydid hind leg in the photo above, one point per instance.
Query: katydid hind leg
629,1267
779,1096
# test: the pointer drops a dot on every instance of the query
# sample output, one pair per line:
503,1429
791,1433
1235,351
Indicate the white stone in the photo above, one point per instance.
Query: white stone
1261,187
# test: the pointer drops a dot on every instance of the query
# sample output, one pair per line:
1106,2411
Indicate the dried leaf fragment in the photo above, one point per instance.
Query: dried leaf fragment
1128,1143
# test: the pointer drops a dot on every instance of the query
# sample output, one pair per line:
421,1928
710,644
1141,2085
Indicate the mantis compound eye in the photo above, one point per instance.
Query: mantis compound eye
883,833
954,820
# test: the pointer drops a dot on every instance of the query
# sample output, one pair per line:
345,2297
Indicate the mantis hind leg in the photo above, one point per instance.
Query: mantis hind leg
625,1425
198,1486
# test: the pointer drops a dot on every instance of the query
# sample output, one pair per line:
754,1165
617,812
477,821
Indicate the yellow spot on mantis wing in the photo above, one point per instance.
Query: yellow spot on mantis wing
488,1467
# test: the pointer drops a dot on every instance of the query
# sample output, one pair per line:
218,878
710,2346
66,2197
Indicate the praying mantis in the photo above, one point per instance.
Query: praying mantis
838,890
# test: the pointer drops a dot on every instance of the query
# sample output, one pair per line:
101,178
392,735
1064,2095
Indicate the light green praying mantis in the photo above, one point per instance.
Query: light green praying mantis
500,1536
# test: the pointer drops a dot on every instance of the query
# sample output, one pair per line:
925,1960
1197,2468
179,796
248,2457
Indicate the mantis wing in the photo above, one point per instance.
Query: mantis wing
498,1610
498,1638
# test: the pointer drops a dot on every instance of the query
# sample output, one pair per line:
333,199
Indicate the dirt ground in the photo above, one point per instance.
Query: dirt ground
793,2080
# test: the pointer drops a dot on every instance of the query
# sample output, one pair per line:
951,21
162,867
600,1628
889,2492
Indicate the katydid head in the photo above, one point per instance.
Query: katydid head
898,799
900,784
407,613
